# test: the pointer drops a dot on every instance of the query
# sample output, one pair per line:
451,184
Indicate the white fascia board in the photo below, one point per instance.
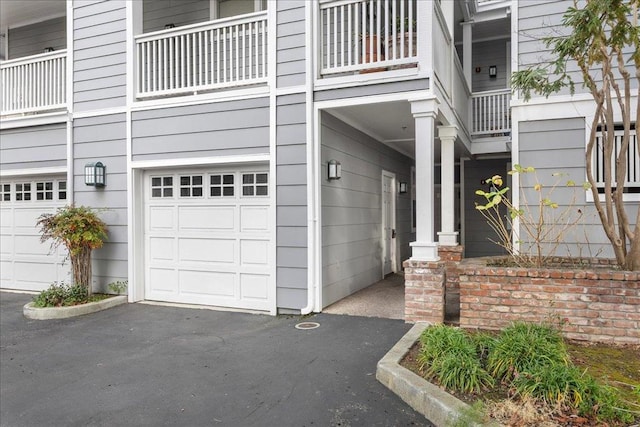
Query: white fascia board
196,161
36,120
57,170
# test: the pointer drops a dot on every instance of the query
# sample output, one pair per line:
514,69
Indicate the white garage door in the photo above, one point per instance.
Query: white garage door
25,262
207,238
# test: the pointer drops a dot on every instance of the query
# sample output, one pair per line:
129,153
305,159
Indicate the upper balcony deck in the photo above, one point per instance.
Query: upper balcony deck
180,53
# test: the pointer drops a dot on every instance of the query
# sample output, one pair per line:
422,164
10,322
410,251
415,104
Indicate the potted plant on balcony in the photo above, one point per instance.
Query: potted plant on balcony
405,43
373,50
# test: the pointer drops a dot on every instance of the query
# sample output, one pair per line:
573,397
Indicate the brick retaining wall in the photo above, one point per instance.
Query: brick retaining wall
595,304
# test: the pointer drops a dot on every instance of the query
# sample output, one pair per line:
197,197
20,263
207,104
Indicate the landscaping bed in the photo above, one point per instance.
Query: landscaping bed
611,365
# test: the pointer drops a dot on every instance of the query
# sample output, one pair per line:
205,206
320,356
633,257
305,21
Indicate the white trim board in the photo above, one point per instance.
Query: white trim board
197,161
57,170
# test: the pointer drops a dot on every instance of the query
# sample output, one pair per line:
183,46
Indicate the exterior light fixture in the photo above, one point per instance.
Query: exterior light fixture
334,169
493,71
403,188
95,174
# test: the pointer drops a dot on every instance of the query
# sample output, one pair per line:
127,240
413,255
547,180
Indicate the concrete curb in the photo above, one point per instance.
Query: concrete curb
438,406
47,313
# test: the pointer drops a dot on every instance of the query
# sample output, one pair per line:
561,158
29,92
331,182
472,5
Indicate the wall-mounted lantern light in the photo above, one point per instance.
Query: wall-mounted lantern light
493,71
334,169
95,174
402,188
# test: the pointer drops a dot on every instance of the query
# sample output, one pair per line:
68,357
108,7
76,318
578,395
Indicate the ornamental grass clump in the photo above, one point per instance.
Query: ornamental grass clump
529,360
449,355
80,231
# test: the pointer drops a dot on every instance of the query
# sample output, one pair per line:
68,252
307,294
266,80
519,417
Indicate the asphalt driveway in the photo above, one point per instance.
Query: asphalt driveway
139,364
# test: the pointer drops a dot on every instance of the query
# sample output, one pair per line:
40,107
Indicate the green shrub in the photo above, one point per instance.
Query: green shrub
61,294
118,286
80,231
526,347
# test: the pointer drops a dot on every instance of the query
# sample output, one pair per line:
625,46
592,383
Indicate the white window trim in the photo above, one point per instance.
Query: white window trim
213,8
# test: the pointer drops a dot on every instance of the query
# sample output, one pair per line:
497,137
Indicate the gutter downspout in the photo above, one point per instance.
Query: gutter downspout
312,219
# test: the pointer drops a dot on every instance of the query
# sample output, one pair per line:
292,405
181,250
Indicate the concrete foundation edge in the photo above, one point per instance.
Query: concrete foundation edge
48,313
439,407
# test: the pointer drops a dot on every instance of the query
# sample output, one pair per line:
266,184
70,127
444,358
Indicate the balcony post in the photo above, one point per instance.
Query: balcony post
447,236
467,51
424,112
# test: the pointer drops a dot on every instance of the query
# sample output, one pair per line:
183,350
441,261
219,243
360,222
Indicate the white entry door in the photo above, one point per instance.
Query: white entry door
207,238
25,262
388,223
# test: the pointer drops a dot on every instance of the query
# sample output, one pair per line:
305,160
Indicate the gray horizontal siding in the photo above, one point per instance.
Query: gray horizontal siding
33,147
103,139
157,14
291,202
99,32
352,209
290,43
477,234
486,54
373,89
33,39
218,129
553,146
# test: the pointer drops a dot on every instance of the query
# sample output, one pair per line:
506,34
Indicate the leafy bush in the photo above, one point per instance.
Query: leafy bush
543,223
80,230
118,286
526,347
60,295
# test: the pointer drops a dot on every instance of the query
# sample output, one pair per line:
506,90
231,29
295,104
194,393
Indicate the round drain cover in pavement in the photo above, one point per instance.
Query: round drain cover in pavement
307,325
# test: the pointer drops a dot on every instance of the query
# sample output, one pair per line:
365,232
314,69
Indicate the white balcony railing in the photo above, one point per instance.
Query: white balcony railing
632,178
373,35
212,55
34,83
491,114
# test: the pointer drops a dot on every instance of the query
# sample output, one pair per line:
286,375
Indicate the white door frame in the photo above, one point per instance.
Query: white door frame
393,253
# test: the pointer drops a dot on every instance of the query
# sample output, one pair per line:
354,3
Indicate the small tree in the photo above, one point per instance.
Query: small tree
80,230
604,42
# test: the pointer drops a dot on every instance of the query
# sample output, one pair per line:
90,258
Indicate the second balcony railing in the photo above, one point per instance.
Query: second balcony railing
34,84
201,57
367,35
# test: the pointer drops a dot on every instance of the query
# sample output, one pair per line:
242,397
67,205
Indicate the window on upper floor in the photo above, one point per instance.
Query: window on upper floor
227,8
632,179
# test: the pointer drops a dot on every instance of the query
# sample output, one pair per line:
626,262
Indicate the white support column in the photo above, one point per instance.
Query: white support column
424,112
467,51
447,236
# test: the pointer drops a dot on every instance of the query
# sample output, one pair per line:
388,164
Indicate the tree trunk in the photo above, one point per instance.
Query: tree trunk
633,256
81,267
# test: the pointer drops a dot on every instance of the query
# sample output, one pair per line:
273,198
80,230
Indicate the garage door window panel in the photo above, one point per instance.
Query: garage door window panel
191,186
44,190
255,184
23,191
162,186
6,192
62,190
222,185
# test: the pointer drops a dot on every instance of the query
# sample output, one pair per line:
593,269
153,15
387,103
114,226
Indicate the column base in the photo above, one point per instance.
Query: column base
448,238
424,251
